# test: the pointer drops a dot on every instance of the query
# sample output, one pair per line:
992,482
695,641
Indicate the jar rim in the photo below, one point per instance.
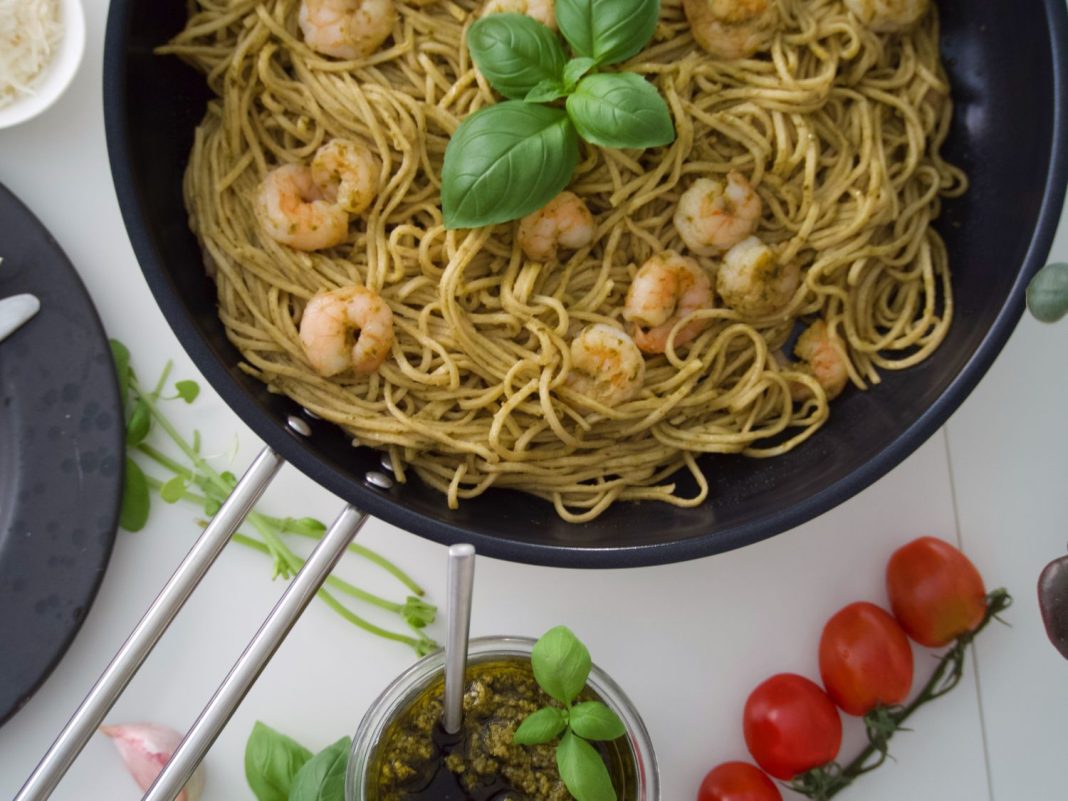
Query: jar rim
416,678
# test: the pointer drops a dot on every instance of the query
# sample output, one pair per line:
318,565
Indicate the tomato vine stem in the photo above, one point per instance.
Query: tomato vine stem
824,783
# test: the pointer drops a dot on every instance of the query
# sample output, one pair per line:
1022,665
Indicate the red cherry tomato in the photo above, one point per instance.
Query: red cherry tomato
791,726
865,659
738,781
935,592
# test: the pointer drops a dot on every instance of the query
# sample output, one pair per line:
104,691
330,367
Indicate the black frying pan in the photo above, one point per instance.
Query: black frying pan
1007,62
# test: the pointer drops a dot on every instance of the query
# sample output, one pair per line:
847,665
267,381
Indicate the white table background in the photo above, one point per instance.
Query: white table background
687,642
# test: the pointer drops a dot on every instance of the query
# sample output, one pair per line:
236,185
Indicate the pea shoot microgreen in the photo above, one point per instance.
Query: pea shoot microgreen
191,477
561,667
510,159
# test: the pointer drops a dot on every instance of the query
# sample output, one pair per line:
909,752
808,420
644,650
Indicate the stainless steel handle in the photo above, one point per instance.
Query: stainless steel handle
252,662
144,637
461,586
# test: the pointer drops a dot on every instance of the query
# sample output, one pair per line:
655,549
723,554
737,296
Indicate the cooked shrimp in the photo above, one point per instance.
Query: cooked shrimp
731,28
543,11
667,288
564,220
292,210
347,174
753,282
343,328
823,356
889,16
608,365
346,29
713,217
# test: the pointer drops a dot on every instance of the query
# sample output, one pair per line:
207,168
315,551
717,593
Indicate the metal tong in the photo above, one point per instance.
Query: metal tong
205,730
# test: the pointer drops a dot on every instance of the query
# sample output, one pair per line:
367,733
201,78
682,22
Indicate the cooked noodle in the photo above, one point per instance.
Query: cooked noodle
837,127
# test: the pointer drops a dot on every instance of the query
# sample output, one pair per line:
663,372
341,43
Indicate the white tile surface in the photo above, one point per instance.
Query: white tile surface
688,642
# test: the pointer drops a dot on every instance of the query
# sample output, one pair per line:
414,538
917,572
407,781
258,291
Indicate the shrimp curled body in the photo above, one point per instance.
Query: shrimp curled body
607,365
348,327
666,289
565,220
347,174
346,29
713,216
753,282
731,29
823,356
293,210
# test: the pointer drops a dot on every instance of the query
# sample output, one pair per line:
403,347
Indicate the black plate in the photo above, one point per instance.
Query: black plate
61,444
1007,62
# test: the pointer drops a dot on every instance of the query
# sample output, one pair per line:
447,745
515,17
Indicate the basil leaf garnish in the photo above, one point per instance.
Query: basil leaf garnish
620,110
575,69
595,721
505,162
546,92
561,664
515,53
607,31
272,761
541,726
583,771
323,777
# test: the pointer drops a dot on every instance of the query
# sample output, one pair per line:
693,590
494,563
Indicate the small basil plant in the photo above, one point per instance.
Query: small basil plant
1047,296
510,159
280,769
561,666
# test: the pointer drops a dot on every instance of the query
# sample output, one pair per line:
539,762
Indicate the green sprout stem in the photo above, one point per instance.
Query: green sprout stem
217,486
822,784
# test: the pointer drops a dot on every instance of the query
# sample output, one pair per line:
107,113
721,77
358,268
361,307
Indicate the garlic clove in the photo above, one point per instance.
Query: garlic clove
145,748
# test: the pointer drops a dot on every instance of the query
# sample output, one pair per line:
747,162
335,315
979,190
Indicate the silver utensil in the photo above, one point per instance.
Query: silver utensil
461,581
15,311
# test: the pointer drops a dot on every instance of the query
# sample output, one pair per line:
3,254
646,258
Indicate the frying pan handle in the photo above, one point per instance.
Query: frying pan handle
251,663
70,742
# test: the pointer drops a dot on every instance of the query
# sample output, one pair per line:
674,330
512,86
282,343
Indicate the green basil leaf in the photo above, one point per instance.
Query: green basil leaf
187,390
323,777
541,726
583,771
272,762
575,69
135,499
595,721
138,426
120,354
505,162
620,110
608,31
1047,296
546,92
561,664
515,53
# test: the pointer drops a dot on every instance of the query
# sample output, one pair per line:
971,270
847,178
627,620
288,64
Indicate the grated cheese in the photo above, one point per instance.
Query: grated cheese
30,31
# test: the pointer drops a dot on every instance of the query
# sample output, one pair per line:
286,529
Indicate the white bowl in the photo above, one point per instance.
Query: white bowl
58,73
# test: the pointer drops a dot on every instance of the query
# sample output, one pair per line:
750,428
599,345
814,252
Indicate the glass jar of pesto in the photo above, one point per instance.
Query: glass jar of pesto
401,753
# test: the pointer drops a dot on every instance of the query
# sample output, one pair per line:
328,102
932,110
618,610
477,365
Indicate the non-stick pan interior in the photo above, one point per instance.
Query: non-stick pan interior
1006,61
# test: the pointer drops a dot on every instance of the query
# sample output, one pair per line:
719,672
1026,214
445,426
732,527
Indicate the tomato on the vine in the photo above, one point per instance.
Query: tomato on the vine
865,659
737,781
935,591
791,726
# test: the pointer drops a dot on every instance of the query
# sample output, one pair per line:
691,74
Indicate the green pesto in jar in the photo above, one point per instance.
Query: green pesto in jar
417,761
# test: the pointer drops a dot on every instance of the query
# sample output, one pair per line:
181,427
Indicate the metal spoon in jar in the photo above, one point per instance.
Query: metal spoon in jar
461,581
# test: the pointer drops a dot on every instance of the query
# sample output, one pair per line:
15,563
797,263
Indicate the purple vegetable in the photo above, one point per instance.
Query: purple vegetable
1053,601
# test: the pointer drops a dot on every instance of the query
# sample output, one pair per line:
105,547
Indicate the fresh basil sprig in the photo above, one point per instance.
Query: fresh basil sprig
561,667
506,161
280,769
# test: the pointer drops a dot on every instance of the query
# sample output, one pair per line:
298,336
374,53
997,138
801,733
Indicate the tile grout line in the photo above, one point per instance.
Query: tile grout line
975,645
